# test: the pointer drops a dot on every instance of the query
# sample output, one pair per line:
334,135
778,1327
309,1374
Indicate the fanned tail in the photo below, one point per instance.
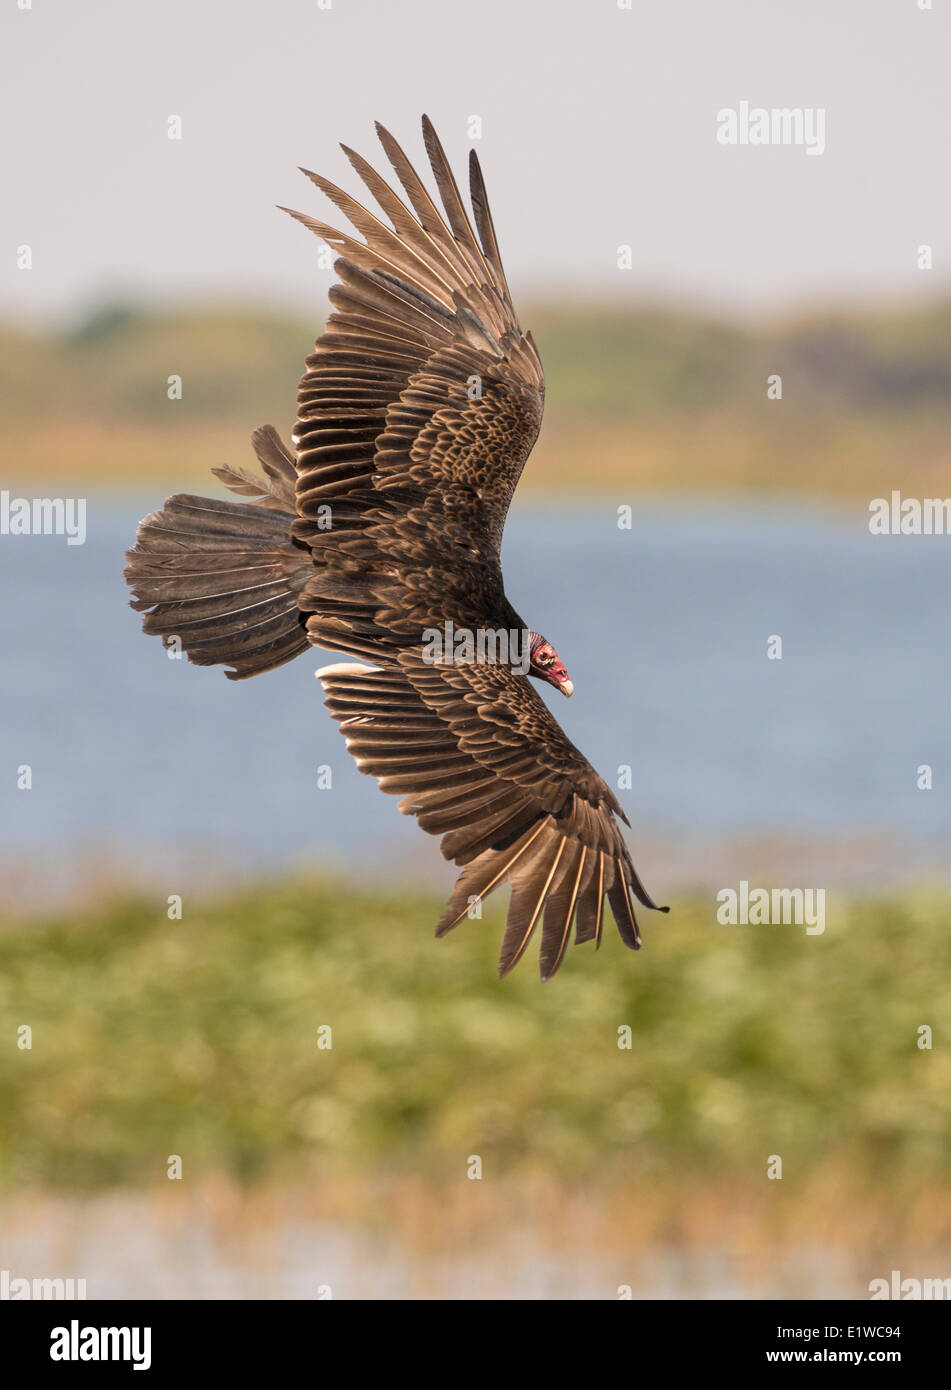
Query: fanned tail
219,580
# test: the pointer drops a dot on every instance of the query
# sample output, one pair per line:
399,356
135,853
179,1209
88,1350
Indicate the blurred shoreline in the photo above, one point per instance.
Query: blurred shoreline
686,866
645,399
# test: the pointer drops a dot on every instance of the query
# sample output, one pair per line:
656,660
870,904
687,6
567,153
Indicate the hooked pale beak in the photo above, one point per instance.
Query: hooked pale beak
567,689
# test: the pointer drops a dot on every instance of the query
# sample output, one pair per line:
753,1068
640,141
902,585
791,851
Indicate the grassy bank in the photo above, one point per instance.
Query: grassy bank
199,1037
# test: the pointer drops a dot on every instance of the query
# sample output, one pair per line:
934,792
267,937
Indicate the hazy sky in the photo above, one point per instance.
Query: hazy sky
599,129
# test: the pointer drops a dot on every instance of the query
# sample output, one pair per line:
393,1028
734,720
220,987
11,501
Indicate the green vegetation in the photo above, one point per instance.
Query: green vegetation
199,1037
641,398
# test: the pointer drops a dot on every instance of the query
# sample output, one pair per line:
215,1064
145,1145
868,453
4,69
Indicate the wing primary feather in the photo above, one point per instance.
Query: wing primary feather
640,892
529,894
483,218
453,916
452,202
560,909
423,205
620,899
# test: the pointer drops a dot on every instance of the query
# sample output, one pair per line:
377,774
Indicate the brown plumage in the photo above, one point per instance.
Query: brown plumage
416,414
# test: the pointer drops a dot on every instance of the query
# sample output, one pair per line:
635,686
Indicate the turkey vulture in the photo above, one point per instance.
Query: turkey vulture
381,527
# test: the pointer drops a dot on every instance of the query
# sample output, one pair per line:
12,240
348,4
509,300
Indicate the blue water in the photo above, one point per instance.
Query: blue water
664,631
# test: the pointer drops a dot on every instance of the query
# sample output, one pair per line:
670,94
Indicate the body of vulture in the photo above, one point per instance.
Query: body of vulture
416,413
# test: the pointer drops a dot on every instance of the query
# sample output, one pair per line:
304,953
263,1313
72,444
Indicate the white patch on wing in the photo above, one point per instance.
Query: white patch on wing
345,669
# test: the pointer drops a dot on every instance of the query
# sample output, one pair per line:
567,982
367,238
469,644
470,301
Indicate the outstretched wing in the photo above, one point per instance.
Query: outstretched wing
479,759
419,406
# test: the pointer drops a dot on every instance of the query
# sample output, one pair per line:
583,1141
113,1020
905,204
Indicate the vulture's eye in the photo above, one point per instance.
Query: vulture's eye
544,659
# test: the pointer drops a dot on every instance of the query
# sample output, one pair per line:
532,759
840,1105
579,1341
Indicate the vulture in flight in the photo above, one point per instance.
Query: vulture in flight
381,526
